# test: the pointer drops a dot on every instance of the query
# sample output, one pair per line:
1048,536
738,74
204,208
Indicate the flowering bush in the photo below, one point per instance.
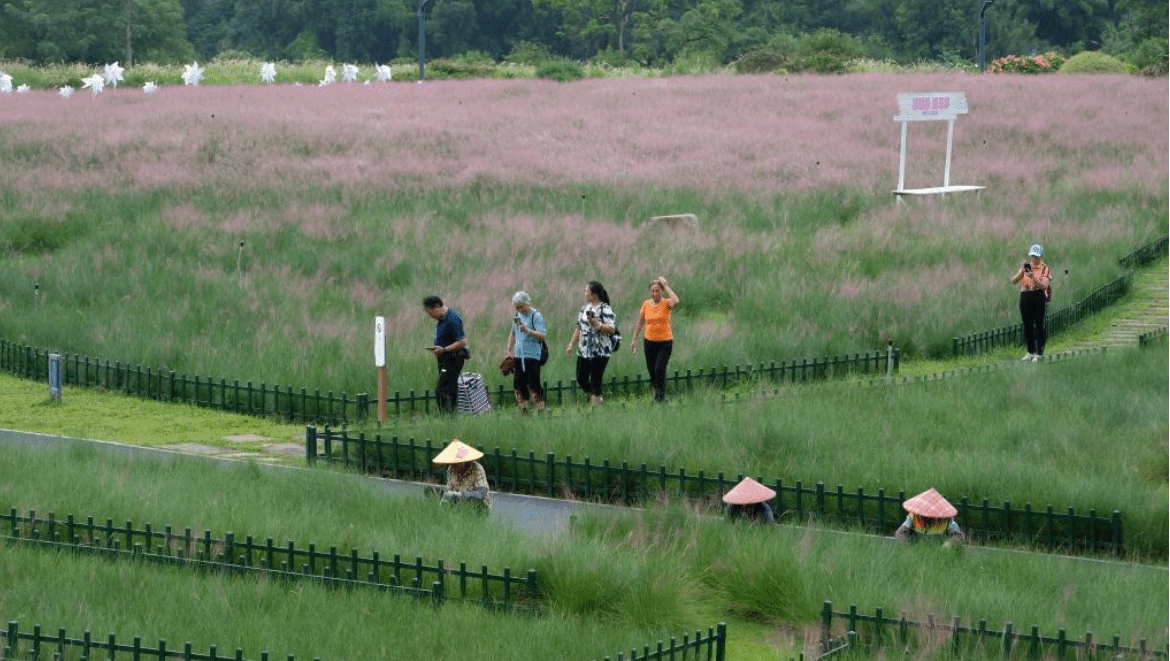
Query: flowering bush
1046,63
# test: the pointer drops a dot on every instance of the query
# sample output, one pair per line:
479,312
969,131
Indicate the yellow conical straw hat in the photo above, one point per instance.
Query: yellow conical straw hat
457,452
748,492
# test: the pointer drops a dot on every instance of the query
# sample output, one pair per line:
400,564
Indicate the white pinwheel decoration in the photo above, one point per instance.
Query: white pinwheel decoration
192,74
94,83
5,83
349,73
268,72
149,87
330,76
113,74
66,91
22,89
384,73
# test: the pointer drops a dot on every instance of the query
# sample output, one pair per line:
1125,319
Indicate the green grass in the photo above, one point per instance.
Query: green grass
1094,427
636,575
339,281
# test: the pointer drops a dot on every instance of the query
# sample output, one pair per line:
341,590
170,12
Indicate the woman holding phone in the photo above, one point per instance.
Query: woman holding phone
594,340
1034,278
525,342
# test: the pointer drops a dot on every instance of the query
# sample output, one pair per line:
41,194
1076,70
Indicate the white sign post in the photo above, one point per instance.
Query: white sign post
930,106
380,363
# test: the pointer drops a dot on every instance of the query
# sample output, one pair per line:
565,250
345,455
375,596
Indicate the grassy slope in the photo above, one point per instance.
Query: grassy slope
113,417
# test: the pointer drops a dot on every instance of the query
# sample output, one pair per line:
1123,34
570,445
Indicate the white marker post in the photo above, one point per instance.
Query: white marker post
380,363
930,106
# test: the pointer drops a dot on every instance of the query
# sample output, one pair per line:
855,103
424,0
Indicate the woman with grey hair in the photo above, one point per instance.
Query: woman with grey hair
527,348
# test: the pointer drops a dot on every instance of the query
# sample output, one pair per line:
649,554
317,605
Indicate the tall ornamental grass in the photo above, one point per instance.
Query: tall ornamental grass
352,201
639,575
82,593
1088,433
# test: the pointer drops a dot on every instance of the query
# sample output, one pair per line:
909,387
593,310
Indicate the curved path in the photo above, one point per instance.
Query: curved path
1145,310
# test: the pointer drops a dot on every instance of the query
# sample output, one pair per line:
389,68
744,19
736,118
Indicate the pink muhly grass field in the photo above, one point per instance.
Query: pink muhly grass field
719,134
296,167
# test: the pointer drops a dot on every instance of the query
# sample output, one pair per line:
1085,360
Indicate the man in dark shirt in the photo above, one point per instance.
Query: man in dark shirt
450,348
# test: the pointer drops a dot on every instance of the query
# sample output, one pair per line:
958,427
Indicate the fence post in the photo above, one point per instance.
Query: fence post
311,444
1116,530
10,644
826,623
889,360
721,642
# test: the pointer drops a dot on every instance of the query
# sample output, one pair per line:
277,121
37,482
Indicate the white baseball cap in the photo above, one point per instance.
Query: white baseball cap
1036,250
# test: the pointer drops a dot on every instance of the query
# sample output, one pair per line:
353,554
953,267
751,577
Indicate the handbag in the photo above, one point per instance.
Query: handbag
543,353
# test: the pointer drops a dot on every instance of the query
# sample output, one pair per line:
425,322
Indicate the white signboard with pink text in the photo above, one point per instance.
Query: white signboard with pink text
924,107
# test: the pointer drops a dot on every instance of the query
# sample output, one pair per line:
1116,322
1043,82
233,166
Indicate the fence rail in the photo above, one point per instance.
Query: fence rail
803,370
1055,322
711,646
556,477
437,582
1146,254
1063,319
35,644
877,631
169,386
303,405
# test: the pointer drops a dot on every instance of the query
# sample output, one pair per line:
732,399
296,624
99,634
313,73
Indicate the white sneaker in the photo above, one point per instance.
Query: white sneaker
1028,356
1035,358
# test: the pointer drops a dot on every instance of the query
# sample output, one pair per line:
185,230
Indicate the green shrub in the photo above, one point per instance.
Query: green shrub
764,60
1093,62
1150,56
460,68
528,52
560,70
826,51
1046,63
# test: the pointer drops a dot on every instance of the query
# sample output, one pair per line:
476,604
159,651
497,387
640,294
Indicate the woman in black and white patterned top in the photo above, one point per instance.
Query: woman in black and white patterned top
593,338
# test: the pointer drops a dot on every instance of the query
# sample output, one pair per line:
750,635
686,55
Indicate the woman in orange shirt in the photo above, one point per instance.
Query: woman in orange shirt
1034,278
659,341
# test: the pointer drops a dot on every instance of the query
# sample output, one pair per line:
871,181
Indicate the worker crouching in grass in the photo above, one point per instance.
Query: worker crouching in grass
466,480
748,501
930,516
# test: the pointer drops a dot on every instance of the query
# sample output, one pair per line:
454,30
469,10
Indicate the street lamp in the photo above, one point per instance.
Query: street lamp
983,35
422,37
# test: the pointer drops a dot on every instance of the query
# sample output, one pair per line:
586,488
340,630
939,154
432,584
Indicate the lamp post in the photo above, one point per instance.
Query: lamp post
422,37
983,35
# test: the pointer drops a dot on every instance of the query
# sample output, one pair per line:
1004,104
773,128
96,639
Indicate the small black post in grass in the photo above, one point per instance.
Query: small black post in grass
983,35
422,38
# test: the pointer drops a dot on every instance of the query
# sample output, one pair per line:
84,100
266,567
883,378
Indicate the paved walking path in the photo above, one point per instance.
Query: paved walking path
1145,310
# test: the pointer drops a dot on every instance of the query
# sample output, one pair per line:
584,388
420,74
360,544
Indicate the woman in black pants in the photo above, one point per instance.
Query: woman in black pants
654,317
1034,278
594,340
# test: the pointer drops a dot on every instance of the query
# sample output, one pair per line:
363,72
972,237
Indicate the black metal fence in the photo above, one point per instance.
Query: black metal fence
35,644
1063,319
621,482
327,408
709,646
878,632
437,582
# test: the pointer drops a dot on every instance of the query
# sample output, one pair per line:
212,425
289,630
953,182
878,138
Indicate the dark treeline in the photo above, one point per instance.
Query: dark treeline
646,32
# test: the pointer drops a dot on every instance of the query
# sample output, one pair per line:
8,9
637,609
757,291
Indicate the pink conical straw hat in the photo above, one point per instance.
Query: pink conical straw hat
930,503
748,492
